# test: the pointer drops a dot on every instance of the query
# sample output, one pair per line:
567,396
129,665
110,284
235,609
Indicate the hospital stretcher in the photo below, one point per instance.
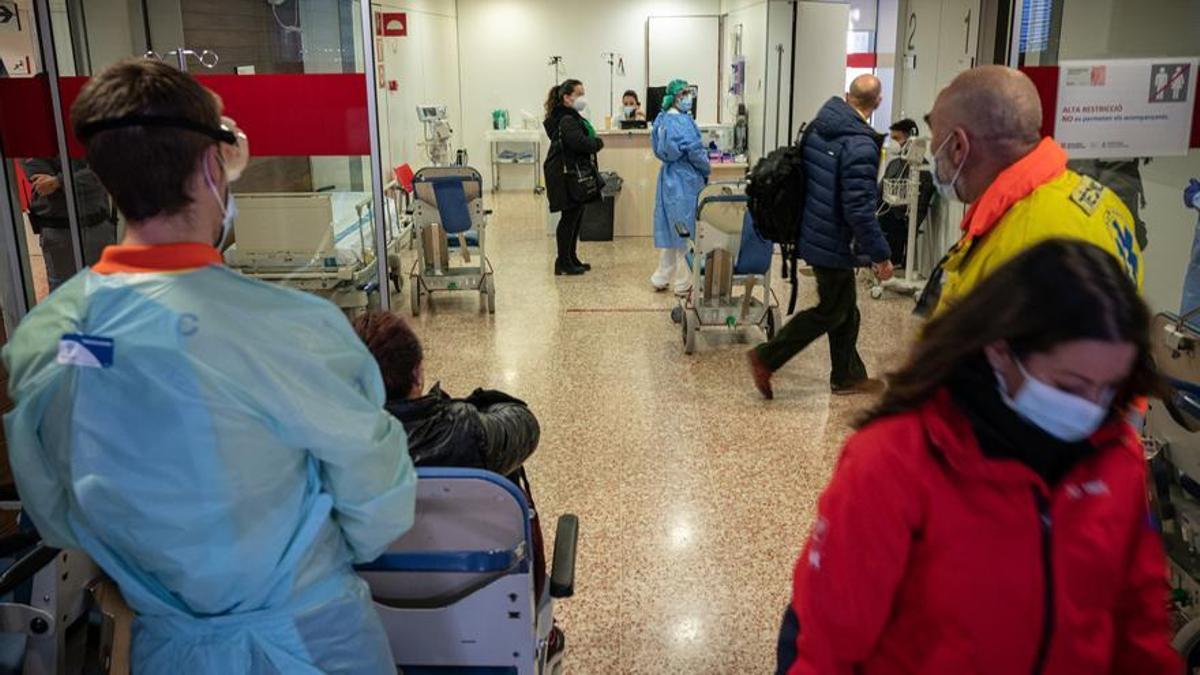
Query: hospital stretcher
449,235
319,242
728,261
1172,440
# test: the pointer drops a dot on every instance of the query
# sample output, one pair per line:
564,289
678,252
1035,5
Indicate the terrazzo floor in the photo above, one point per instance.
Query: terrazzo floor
694,495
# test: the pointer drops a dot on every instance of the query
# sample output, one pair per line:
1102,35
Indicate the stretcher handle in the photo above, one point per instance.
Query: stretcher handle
27,566
468,562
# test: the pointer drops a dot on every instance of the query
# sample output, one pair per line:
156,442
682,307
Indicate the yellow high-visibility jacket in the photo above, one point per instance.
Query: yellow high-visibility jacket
1036,199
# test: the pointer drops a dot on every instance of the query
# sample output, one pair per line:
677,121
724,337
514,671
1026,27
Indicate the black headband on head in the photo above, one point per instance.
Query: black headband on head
219,134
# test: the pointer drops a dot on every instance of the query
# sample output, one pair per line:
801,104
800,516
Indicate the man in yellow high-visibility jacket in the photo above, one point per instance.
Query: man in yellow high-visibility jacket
988,151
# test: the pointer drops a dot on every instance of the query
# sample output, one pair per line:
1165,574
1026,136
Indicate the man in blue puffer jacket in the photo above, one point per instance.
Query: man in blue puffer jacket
841,161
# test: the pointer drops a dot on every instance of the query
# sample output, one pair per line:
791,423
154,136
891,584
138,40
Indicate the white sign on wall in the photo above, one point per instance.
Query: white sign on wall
1126,107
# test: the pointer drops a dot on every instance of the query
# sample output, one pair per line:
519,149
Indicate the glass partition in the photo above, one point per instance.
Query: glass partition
292,74
1097,39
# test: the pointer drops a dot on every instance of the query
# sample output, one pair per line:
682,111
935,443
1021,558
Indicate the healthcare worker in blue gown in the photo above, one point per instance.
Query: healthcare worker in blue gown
1191,281
685,170
217,444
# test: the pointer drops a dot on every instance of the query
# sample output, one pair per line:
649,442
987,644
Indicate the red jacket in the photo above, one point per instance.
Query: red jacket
927,558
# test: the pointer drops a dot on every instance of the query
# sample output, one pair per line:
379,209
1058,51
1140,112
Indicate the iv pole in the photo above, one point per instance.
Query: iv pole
612,59
556,61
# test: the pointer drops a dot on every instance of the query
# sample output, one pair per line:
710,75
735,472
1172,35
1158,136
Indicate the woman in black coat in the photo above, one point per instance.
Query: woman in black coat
573,148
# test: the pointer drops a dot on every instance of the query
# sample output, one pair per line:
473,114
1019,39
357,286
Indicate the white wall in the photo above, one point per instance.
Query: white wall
424,67
752,18
687,48
110,31
887,36
504,46
820,57
778,75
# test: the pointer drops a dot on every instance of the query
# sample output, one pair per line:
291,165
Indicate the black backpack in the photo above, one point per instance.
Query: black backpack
776,189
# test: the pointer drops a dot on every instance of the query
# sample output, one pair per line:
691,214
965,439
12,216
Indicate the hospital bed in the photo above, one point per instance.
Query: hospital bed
1172,439
725,256
449,233
456,592
59,614
319,242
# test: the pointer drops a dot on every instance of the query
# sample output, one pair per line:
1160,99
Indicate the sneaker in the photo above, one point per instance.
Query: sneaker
868,386
761,374
683,290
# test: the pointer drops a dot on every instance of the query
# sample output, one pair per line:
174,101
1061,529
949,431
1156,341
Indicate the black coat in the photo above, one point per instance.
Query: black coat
487,430
841,162
571,147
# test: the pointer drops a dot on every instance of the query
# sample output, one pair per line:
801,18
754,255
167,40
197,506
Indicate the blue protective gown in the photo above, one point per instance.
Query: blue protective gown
685,169
226,468
1191,280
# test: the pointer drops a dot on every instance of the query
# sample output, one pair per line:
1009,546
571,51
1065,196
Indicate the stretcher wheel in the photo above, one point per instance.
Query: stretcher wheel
772,323
689,334
677,314
414,294
487,294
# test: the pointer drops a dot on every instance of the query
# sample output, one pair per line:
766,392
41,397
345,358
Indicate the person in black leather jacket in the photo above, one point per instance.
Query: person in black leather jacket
489,429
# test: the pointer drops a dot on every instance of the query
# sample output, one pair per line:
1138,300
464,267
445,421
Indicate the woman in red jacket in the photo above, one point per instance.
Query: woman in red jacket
989,517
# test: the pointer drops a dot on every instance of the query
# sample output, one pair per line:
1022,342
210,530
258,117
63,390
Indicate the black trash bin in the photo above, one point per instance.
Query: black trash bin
597,222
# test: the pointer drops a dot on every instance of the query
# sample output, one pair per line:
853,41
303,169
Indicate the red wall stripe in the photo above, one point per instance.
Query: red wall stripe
283,115
861,60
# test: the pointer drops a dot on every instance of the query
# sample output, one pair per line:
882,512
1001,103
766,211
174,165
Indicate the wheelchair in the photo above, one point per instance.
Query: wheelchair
456,593
725,255
449,221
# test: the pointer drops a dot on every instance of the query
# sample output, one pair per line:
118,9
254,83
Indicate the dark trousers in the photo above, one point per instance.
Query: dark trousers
59,255
837,314
567,233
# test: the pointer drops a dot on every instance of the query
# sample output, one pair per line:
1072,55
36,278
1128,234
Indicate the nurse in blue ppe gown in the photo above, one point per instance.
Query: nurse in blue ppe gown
1191,282
216,444
684,173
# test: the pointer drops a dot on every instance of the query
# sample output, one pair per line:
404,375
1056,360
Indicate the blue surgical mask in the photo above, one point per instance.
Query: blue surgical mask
948,190
228,208
685,104
1067,417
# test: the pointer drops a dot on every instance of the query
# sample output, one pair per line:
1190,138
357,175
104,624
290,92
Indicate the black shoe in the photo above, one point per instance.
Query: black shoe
568,269
579,263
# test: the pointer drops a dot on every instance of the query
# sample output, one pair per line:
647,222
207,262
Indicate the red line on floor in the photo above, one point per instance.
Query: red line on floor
615,310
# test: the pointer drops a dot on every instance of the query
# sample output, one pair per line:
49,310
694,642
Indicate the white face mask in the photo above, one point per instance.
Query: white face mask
580,103
629,111
1067,417
948,190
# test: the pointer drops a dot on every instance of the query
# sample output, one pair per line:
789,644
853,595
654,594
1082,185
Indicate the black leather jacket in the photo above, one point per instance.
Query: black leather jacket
487,430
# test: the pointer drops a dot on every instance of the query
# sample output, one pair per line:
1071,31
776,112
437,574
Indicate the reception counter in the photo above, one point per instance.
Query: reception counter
627,152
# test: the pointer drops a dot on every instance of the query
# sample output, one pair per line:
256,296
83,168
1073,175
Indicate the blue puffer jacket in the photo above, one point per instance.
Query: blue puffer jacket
841,160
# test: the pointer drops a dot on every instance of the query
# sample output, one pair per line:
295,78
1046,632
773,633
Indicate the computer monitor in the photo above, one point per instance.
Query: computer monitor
654,99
